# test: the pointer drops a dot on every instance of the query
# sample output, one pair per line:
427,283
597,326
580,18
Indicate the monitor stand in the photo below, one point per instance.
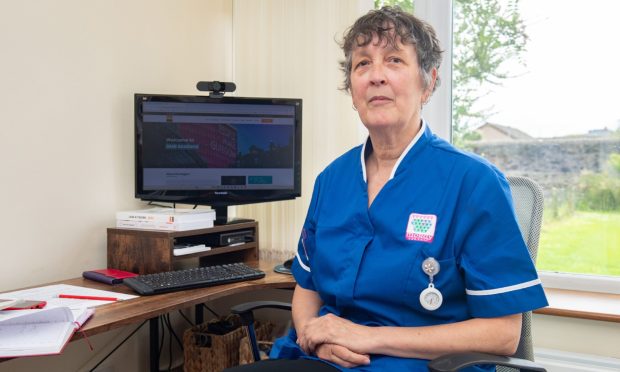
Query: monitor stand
221,217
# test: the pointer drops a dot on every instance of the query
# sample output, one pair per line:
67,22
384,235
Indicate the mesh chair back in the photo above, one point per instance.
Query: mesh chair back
528,203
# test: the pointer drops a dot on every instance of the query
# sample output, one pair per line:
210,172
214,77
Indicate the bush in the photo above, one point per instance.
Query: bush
598,192
560,203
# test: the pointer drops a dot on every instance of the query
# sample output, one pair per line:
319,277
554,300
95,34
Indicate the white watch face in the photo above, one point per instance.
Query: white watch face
431,299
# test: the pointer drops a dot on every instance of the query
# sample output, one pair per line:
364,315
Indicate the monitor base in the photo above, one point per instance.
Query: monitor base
219,221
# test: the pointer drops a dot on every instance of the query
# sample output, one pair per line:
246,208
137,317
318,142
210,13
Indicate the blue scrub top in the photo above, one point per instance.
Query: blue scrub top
366,263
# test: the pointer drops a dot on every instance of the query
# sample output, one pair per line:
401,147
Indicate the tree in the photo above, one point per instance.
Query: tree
487,34
406,5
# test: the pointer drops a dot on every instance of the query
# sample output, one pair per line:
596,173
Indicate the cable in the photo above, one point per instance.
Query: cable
174,333
211,310
167,322
186,318
163,337
117,346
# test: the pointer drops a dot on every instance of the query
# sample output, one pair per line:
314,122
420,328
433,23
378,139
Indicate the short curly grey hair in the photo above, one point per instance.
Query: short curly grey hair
391,25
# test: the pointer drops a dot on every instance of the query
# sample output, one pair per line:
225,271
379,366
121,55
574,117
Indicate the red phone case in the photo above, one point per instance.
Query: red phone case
28,305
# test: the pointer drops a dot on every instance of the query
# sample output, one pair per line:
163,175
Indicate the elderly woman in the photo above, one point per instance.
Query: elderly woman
401,255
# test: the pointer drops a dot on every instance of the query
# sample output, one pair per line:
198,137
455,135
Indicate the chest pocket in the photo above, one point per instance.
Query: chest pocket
449,281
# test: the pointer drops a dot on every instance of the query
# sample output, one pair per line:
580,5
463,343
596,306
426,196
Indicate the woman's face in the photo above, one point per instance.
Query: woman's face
386,85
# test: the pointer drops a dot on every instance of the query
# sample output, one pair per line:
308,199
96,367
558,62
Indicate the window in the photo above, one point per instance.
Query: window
534,90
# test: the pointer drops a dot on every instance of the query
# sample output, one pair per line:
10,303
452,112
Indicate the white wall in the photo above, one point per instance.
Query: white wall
68,72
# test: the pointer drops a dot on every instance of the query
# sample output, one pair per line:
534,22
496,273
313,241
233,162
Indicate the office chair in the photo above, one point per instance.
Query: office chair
528,203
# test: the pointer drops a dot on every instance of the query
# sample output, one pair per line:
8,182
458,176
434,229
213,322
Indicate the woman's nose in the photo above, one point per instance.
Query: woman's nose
377,75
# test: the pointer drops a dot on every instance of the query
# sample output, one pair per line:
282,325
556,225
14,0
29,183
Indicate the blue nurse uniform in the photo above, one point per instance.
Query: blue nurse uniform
366,262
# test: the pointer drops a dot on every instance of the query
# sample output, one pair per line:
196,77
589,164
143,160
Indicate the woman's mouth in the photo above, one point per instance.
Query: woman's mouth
379,99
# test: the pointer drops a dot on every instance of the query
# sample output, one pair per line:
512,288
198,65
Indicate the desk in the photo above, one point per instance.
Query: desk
123,313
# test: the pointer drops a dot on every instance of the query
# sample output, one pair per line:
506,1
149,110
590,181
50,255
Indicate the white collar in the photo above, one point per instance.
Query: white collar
400,158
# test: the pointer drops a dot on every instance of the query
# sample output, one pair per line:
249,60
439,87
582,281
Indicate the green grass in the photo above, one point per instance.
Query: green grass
586,242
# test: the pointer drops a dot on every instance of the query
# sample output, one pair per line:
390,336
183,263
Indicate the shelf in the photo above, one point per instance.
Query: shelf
151,251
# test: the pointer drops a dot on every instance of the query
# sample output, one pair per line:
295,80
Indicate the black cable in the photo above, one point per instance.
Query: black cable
117,346
211,310
186,318
163,336
167,322
173,332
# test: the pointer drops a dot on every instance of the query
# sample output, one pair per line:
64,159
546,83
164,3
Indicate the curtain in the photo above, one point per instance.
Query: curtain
288,48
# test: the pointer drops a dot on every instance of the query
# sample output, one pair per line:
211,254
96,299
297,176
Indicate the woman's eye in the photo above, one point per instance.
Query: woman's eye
361,64
396,60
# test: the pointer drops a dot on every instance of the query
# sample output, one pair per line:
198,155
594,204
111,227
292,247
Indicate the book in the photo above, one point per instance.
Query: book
39,332
175,226
167,215
108,276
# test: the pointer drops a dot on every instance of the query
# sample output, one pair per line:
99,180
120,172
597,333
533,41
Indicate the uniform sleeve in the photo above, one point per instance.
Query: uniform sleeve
305,248
500,277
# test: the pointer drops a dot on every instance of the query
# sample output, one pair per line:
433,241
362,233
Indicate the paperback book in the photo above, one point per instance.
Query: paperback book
167,215
174,226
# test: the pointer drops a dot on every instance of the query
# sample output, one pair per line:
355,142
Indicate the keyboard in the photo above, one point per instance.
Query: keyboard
178,280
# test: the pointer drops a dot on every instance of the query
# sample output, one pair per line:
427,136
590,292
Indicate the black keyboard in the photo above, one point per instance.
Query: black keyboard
207,276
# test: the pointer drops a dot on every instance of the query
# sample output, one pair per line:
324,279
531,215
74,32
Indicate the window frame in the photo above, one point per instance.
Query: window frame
439,114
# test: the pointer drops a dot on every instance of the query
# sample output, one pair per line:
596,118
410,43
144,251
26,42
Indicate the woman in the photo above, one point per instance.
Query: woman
399,255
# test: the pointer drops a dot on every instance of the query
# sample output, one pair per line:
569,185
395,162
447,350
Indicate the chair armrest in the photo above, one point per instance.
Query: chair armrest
454,362
250,306
245,309
245,312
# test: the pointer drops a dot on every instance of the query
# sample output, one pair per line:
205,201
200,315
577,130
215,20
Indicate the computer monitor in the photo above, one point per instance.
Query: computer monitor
217,151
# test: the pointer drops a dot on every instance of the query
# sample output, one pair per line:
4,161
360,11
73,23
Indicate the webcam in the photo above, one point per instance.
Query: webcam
215,88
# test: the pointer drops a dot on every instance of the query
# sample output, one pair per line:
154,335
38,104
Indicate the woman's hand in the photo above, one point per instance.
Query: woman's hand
332,329
341,355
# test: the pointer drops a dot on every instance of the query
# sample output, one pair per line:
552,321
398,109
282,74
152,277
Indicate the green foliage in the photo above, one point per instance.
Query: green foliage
598,192
487,34
406,5
559,203
601,191
614,163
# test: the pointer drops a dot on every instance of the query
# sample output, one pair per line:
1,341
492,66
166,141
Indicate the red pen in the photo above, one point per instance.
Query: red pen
78,297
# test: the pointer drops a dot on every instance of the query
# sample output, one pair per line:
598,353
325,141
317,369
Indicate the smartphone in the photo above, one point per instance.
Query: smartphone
27,304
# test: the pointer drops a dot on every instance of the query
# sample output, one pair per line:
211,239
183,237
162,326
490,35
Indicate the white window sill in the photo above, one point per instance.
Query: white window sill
582,304
580,282
581,296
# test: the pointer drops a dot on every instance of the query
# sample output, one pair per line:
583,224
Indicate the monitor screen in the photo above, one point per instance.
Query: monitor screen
217,151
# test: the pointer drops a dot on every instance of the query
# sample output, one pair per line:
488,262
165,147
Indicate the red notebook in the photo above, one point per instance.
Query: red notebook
108,276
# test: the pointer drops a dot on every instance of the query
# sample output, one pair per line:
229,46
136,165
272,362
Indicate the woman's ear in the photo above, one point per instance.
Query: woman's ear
431,86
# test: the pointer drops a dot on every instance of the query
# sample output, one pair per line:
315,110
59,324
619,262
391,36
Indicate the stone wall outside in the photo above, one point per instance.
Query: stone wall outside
553,163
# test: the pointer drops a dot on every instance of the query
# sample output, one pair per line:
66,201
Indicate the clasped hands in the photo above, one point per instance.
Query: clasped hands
336,340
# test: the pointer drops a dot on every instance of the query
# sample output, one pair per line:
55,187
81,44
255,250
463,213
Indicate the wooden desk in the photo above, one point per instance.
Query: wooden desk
132,311
123,313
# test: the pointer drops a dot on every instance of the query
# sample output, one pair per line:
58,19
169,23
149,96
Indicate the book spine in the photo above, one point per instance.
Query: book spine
165,217
150,225
100,277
